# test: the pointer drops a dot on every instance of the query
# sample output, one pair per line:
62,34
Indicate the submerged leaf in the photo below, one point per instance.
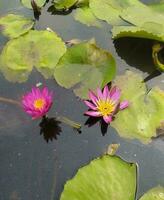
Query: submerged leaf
103,179
146,110
85,66
85,16
156,193
13,26
39,3
41,49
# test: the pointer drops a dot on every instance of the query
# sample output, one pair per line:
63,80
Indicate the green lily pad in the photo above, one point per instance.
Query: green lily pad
145,113
64,4
139,15
148,30
103,179
156,193
157,6
41,49
85,66
110,10
39,3
13,26
85,16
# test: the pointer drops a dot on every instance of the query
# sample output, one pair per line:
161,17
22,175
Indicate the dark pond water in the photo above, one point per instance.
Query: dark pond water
31,168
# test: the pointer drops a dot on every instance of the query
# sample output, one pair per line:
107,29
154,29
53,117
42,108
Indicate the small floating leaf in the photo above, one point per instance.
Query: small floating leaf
13,26
103,179
64,4
156,193
85,66
41,49
85,16
39,3
145,113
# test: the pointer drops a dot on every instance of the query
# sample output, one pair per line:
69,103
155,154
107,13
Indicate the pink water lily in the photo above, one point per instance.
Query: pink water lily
105,104
37,102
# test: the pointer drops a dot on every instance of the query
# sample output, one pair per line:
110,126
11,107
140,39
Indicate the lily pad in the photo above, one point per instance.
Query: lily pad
156,193
39,3
148,30
64,4
146,110
41,49
85,66
159,7
103,179
85,16
13,26
110,10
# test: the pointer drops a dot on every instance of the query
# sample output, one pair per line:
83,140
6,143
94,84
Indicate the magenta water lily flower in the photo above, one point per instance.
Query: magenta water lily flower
37,102
105,104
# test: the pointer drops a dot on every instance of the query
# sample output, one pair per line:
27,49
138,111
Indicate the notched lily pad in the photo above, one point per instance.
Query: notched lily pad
13,26
110,10
85,66
41,49
146,111
85,16
39,3
156,193
103,179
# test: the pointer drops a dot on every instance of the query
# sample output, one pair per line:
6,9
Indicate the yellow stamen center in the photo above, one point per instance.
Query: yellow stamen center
39,103
105,107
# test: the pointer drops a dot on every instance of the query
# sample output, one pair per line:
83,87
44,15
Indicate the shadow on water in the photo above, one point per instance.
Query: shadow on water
54,11
137,52
50,128
91,121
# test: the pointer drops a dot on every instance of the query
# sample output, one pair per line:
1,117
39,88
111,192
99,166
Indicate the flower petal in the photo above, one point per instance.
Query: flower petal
107,119
93,113
124,104
93,97
99,94
115,93
106,91
90,105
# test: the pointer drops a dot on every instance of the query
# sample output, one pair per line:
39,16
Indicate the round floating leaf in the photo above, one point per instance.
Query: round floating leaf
156,193
39,3
103,179
85,16
41,49
13,26
149,31
158,7
139,15
64,4
85,66
145,112
110,10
